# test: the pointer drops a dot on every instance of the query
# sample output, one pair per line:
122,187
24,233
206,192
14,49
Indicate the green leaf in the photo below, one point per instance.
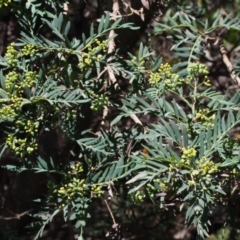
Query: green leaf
101,24
67,28
92,31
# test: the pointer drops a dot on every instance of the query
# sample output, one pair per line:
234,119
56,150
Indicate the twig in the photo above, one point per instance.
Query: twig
136,119
111,48
105,114
227,62
140,13
218,41
16,215
101,73
110,211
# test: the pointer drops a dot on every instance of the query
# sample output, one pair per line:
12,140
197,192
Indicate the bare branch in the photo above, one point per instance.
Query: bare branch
228,63
110,211
218,41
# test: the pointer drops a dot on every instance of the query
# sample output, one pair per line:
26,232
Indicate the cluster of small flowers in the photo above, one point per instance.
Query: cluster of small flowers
138,64
163,185
154,78
207,81
11,79
76,168
29,79
96,191
11,55
205,167
29,127
188,153
4,3
139,196
197,69
7,112
77,188
206,121
21,147
24,146
170,80
71,114
16,101
101,45
87,59
188,79
99,102
29,50
149,191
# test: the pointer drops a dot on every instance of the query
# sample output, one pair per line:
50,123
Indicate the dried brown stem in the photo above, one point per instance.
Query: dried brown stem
111,48
110,211
227,62
16,215
218,41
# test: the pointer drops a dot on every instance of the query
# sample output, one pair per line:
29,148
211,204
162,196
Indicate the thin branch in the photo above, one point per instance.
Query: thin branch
136,119
101,73
111,48
218,41
227,62
16,215
105,114
110,211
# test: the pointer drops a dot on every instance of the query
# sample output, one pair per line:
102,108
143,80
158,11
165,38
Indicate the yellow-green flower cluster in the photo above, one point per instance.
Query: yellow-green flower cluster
71,114
11,79
100,45
188,79
138,64
197,69
27,145
4,3
76,168
206,81
139,196
29,50
11,55
73,189
164,73
163,185
29,79
149,191
16,102
7,112
202,116
87,59
154,78
21,147
29,127
188,153
204,167
96,190
99,102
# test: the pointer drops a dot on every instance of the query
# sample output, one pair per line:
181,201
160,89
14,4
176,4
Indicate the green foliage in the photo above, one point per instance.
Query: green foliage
181,156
